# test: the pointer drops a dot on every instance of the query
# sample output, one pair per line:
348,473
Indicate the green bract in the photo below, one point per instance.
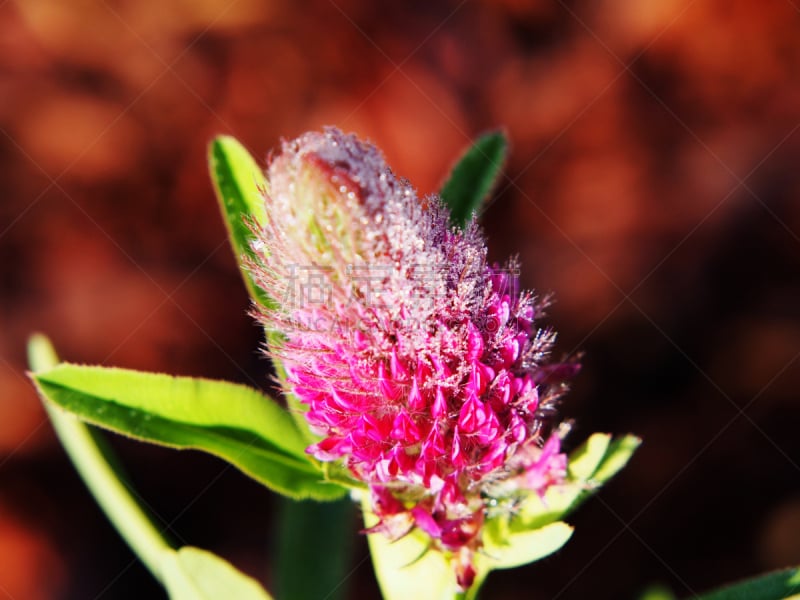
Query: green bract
405,569
474,176
240,186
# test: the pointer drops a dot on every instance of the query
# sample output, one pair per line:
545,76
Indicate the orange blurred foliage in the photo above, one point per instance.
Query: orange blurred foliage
652,186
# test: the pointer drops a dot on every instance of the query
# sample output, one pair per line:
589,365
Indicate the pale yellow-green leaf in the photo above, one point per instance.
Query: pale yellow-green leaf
619,453
584,460
195,574
523,547
405,569
590,466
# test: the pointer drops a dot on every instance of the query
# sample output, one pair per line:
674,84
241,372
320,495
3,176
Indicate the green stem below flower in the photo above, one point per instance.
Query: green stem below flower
93,464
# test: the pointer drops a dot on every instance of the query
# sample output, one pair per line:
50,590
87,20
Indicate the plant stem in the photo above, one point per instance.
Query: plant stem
319,534
93,466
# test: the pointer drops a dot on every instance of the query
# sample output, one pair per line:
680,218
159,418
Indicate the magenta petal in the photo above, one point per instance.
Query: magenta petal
474,343
415,400
329,449
439,406
374,428
426,522
399,372
404,428
433,446
548,469
472,416
457,456
490,428
465,575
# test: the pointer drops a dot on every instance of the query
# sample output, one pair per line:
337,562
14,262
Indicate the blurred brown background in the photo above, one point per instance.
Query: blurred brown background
653,187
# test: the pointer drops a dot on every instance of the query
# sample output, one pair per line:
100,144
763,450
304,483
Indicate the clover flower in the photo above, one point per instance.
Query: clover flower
422,366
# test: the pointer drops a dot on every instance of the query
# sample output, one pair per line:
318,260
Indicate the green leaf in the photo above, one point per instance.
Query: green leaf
585,460
773,586
231,421
195,574
93,461
240,186
474,176
590,466
505,549
189,573
617,456
524,547
657,592
405,568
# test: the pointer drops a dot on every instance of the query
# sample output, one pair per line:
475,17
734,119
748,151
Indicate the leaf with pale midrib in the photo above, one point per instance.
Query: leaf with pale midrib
231,421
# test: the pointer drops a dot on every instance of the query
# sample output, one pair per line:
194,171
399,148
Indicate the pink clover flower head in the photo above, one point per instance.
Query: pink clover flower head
422,366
